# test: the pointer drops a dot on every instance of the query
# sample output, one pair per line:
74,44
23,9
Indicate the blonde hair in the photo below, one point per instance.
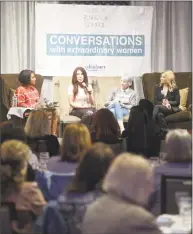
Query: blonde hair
37,124
178,146
76,141
170,77
14,155
130,177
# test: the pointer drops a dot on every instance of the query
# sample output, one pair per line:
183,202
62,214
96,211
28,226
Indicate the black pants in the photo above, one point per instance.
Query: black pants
159,114
80,113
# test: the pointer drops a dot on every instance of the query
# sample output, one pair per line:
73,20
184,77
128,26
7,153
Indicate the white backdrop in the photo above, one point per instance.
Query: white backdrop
106,40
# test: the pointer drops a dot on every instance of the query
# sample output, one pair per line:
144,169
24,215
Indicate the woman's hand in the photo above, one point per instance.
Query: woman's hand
164,102
89,89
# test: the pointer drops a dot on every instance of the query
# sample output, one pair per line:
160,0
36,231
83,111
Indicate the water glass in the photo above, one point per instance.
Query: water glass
43,160
184,202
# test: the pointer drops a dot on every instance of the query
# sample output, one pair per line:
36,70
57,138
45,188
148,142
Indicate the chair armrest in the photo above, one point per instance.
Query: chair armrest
190,108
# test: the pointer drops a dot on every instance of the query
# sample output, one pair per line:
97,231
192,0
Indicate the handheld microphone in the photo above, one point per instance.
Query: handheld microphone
85,87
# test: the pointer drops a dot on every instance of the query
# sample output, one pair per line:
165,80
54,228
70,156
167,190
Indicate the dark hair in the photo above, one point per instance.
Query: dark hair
104,124
25,76
9,131
92,168
74,79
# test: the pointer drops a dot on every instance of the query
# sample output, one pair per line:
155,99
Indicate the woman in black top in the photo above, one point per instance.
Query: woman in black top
166,98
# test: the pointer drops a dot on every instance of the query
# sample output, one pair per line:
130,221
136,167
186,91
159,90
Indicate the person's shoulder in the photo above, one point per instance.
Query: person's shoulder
33,88
20,89
28,187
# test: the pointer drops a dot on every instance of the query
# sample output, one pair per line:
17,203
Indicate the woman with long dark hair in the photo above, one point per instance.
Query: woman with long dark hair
80,94
105,127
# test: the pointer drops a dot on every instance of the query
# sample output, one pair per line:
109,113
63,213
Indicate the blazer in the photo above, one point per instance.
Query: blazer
172,96
111,214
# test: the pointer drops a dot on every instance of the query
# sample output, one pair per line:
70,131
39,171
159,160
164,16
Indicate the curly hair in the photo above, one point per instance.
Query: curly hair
14,155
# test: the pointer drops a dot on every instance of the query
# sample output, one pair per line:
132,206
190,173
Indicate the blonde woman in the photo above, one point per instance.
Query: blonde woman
37,129
128,184
76,141
166,98
24,199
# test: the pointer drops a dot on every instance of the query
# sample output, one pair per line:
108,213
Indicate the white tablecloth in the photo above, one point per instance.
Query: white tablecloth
172,224
18,111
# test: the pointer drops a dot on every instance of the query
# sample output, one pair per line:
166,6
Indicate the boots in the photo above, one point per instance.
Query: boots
120,122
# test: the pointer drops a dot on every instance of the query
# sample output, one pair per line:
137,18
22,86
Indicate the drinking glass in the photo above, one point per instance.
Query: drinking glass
184,202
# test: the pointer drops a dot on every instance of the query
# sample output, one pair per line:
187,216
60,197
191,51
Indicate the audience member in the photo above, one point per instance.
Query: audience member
9,131
24,199
76,141
104,127
61,169
84,189
80,94
37,129
176,162
128,185
166,98
121,100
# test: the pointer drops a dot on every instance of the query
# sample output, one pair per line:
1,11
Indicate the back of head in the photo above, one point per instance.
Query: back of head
76,141
92,168
178,146
105,124
130,177
37,124
14,155
9,131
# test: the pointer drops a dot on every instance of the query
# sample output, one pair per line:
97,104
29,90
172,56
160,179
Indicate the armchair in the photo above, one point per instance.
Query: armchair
8,84
182,119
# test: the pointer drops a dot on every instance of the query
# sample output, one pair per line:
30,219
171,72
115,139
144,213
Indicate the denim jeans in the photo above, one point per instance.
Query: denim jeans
118,111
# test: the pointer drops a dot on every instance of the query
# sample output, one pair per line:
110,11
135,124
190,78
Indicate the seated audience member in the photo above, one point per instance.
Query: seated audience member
23,199
176,162
37,129
104,127
84,189
128,184
28,96
9,131
61,169
166,98
80,94
121,100
76,141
